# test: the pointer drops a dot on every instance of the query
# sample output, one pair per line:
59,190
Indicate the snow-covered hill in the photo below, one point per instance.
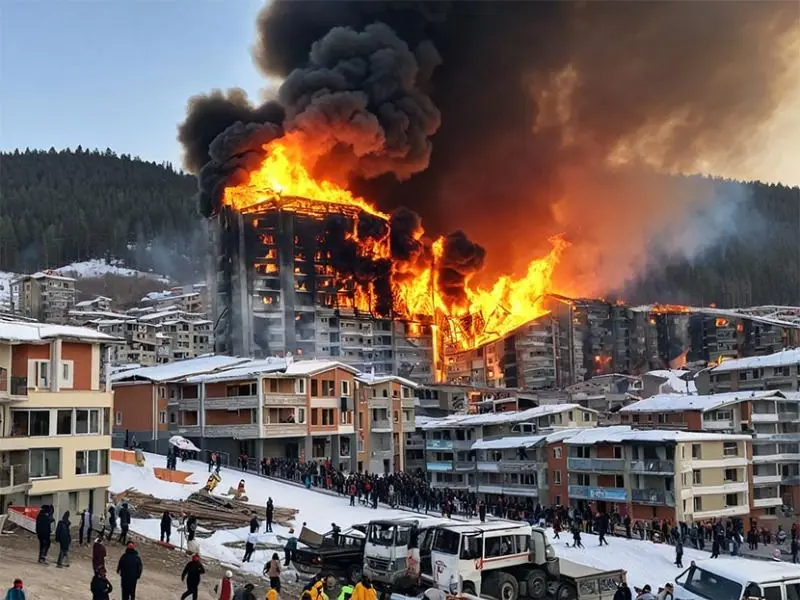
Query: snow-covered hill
97,267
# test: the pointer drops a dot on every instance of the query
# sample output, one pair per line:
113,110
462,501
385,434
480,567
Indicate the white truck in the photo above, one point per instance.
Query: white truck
397,552
508,560
738,579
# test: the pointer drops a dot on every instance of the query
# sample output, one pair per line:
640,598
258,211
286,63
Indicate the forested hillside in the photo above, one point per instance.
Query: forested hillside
60,207
66,206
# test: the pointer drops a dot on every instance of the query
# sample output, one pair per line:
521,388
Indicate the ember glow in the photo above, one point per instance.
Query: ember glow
283,181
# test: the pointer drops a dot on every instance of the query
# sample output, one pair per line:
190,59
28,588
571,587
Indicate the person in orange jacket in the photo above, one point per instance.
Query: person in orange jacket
364,590
272,593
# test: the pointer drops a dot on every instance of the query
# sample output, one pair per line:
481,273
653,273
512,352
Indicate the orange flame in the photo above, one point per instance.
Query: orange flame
283,181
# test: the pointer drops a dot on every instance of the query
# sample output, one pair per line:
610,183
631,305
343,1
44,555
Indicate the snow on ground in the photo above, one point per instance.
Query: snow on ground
318,510
644,562
97,267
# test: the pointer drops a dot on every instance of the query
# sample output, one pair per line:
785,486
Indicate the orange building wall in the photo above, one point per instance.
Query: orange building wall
604,450
643,512
694,420
81,356
22,353
557,464
225,417
135,402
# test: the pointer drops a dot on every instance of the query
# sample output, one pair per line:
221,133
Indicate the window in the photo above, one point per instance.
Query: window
731,474
91,462
662,418
327,416
39,423
87,421
300,415
584,479
586,416
300,386
619,481
617,451
118,418
314,388
569,415
66,374
273,386
42,371
557,477
106,421
173,418
64,422
315,416
697,479
731,500
557,452
162,417
697,503
396,416
773,593
343,417
730,449
345,388
696,453
45,462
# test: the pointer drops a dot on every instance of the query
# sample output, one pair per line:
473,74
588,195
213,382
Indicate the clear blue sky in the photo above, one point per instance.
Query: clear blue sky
117,73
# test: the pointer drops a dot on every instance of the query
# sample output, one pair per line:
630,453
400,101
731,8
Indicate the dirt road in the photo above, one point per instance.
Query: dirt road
161,579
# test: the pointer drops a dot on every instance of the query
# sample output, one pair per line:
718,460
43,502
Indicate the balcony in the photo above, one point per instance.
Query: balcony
380,425
767,502
602,465
438,444
381,454
14,478
409,426
764,417
464,465
281,430
18,386
588,492
654,466
653,497
284,399
439,467
252,431
414,443
379,403
765,479
231,403
508,489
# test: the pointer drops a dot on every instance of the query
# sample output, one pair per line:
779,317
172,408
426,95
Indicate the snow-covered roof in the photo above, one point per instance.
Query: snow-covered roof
48,275
372,379
501,417
250,369
783,358
683,402
504,443
675,380
33,332
618,434
314,366
180,369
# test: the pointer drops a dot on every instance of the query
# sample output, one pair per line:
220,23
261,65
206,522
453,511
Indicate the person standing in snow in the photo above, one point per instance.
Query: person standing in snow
289,548
16,591
679,553
112,521
124,523
576,537
270,513
100,587
85,527
715,544
253,525
191,575
64,539
273,570
166,526
623,592
794,547
99,555
602,526
44,524
272,593
666,593
191,528
130,570
482,512
225,587
250,546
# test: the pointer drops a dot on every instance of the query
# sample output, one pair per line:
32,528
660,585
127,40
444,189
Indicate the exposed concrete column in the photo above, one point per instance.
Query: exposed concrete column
259,442
627,451
307,449
201,414
55,365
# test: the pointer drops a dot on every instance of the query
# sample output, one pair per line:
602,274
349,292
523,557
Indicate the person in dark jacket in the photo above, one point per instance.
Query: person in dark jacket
191,575
112,521
254,525
85,527
64,539
715,547
270,513
99,555
191,527
44,524
482,511
124,523
623,592
100,587
679,553
166,526
130,569
794,548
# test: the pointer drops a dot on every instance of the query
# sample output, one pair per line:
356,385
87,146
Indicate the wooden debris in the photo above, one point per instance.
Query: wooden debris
211,511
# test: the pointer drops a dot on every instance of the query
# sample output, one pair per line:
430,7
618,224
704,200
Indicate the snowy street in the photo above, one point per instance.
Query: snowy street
645,562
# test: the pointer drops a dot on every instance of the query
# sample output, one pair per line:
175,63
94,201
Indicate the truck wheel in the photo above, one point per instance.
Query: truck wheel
566,591
536,582
355,574
501,586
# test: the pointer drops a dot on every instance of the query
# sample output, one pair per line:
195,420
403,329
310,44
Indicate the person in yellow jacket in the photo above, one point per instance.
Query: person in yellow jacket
364,590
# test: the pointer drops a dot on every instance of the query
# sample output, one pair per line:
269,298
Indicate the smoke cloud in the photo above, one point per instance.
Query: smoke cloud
544,117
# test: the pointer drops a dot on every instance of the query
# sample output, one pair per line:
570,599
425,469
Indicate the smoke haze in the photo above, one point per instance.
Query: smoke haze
517,120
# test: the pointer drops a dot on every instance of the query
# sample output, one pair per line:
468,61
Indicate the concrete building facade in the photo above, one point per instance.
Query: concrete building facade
55,417
44,296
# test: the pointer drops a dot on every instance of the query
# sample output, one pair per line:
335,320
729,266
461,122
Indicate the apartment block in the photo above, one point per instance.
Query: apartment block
776,371
55,416
272,407
661,474
385,421
456,456
770,418
44,296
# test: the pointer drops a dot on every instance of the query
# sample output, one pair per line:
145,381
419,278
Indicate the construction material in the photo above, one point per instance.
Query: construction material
212,511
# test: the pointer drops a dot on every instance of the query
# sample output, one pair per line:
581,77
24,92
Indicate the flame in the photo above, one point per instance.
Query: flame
283,181
663,309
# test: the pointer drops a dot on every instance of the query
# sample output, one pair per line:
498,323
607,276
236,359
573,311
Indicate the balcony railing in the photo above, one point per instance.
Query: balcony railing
666,467
614,465
13,475
653,497
589,492
273,430
381,424
438,444
439,466
223,431
19,386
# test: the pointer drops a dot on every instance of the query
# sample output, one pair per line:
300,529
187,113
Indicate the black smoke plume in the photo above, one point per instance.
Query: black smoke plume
460,259
538,101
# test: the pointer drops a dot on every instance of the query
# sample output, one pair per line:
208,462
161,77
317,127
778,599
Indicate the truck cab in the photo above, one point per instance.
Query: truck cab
726,579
